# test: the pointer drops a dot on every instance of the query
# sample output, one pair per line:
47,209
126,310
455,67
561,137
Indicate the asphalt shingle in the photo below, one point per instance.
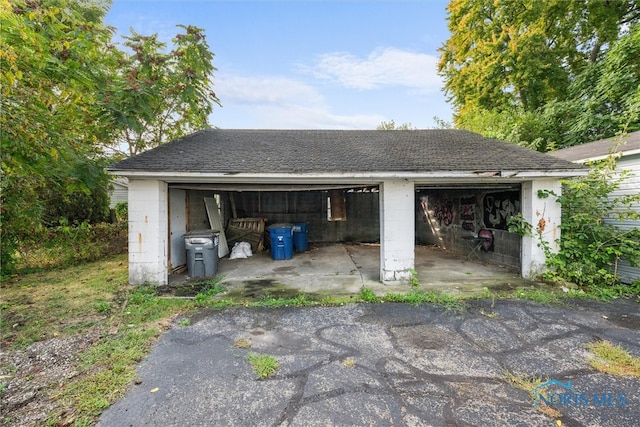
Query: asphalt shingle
300,151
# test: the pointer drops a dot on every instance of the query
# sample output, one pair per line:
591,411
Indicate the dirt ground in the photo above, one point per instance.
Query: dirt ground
32,377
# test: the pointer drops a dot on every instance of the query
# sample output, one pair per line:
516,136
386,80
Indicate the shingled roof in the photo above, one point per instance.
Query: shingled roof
318,151
597,150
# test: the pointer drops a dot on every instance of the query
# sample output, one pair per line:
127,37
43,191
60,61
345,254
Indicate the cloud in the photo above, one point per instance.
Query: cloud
265,90
300,117
275,102
382,68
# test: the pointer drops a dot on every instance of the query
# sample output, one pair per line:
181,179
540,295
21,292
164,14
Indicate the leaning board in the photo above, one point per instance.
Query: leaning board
216,224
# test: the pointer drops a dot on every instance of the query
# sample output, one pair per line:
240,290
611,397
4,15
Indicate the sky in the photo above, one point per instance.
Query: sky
310,64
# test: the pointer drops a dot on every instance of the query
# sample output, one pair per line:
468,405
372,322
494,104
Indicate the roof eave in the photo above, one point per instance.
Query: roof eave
350,177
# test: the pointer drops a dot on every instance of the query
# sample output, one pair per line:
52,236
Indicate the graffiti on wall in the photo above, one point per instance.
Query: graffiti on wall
438,209
499,207
443,212
468,213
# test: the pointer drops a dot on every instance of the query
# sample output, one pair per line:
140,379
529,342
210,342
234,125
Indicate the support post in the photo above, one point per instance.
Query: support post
397,231
148,232
544,216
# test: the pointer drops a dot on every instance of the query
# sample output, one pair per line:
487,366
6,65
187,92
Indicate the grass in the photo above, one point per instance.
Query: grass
613,359
528,384
94,298
264,365
91,298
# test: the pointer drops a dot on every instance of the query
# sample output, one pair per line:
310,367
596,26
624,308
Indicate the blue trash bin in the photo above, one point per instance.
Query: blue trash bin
300,236
281,241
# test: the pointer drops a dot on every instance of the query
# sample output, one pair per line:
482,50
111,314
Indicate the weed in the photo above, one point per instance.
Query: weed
613,359
103,307
242,343
447,301
349,362
489,314
270,301
264,365
414,282
367,295
209,289
184,322
528,384
539,295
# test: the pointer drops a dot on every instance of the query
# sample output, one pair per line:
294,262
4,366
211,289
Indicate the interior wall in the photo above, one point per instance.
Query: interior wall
361,225
445,218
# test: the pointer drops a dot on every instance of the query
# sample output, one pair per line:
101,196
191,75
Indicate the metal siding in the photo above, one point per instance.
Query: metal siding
119,194
631,185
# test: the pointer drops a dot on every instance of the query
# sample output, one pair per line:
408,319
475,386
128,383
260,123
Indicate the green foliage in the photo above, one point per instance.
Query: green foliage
264,365
122,211
591,245
297,301
210,289
156,95
367,295
51,56
66,245
391,125
543,74
445,300
414,282
67,93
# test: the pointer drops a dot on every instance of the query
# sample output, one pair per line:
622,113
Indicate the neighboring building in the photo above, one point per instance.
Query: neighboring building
397,188
119,191
627,149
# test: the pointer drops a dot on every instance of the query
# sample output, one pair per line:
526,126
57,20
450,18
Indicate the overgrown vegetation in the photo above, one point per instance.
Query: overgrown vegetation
511,75
529,384
66,245
71,96
91,299
417,296
613,359
591,245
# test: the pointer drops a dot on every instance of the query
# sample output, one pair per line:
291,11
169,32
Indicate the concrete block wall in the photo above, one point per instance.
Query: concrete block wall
397,231
362,224
148,237
445,217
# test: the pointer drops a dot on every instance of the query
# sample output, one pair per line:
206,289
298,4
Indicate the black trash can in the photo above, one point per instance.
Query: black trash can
202,253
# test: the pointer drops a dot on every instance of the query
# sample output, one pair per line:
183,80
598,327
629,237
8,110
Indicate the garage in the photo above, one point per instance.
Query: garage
448,188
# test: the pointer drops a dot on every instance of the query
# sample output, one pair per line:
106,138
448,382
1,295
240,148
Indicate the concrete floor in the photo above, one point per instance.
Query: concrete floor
343,269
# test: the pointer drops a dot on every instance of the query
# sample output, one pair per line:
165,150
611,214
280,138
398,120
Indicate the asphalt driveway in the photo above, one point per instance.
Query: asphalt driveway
387,365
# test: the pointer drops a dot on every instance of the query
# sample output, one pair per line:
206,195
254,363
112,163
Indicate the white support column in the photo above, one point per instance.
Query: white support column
148,225
544,216
397,231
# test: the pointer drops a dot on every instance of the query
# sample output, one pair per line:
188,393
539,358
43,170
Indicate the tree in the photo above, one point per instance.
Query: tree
591,246
391,125
506,61
154,96
51,54
66,93
604,99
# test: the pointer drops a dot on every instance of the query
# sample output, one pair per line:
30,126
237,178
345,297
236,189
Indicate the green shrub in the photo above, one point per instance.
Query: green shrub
122,211
590,246
67,245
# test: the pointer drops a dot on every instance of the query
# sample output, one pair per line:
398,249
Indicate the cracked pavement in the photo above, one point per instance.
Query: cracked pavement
386,364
